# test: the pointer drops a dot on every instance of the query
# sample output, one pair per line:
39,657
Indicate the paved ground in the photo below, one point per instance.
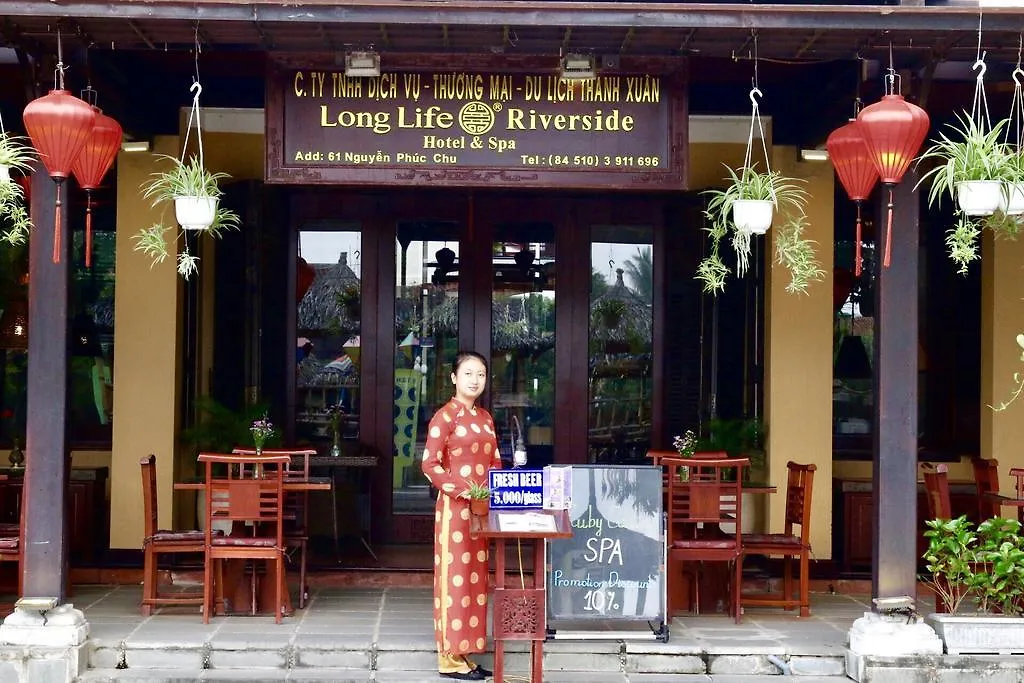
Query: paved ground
402,617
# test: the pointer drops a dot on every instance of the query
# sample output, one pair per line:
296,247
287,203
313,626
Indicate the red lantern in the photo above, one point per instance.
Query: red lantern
305,274
59,125
93,162
893,130
857,173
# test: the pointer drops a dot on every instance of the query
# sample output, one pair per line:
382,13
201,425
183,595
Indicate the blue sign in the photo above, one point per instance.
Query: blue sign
516,489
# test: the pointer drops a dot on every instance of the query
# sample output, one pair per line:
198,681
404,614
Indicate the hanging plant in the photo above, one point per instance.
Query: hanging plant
15,155
195,193
792,250
977,168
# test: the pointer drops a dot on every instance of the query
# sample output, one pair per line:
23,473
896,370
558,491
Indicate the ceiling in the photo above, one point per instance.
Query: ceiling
141,53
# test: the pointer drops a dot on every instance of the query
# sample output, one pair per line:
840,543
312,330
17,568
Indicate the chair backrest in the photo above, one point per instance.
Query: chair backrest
148,465
704,496
936,486
292,453
1018,474
986,480
799,490
239,496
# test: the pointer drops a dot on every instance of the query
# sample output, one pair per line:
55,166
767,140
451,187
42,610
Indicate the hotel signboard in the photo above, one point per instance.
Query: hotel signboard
470,128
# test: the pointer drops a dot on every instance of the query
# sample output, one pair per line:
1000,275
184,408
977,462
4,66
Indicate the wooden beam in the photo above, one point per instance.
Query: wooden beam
44,566
141,34
894,493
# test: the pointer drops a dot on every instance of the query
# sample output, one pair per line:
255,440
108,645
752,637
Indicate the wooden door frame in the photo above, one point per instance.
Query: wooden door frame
378,213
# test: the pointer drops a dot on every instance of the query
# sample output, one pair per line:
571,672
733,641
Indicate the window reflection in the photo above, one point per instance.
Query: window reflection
523,341
328,340
426,342
621,347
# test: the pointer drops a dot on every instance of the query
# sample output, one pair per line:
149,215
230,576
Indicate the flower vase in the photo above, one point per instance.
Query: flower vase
16,456
258,473
336,445
684,473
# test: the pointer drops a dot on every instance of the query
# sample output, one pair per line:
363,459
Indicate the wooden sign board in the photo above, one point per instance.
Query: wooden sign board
464,127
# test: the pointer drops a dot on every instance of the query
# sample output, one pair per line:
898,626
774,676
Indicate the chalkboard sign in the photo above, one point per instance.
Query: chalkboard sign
613,567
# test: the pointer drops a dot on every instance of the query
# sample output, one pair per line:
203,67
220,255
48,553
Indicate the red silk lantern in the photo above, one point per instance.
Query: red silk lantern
93,162
59,125
893,130
305,274
852,160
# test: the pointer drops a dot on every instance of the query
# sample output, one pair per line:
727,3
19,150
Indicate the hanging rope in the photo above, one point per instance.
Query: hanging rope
193,115
58,78
755,121
1016,104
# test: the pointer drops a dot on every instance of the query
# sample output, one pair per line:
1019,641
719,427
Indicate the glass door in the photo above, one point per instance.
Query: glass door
621,384
426,340
523,340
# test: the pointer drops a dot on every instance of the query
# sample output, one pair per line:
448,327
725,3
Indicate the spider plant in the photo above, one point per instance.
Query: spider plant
182,180
14,154
792,250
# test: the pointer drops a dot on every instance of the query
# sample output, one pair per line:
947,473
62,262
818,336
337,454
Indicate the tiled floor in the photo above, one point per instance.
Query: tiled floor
392,617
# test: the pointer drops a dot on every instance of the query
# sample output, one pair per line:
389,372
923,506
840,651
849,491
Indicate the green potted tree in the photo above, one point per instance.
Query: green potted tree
985,566
195,193
14,155
747,207
479,498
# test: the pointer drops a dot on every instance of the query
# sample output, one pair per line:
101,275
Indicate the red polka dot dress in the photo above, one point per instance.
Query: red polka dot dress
461,446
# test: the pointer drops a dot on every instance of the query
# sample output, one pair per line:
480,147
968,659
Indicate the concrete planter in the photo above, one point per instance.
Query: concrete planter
994,634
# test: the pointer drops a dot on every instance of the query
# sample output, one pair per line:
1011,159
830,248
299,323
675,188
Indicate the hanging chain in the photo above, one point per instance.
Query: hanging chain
58,74
979,110
1016,126
193,115
755,120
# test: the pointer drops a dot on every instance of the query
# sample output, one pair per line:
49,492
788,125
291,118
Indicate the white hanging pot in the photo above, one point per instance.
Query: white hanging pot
1011,199
5,174
195,213
979,197
753,215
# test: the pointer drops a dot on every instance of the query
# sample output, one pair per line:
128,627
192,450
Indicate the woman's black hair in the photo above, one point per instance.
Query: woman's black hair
462,356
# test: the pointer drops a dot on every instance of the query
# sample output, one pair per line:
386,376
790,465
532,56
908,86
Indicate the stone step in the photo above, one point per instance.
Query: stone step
306,652
364,676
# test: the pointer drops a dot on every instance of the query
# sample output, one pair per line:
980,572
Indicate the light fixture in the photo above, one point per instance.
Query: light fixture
14,325
852,361
577,66
135,146
814,155
362,64
856,170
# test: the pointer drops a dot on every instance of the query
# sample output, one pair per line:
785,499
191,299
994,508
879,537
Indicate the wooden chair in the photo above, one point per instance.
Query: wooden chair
986,481
236,497
936,486
799,488
158,542
296,508
697,508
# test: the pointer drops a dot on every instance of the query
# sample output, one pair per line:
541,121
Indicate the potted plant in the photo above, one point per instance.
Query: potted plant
986,565
610,311
686,446
973,166
14,155
479,498
729,211
195,193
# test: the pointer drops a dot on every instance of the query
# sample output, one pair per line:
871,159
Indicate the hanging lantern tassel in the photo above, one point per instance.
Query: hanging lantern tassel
857,260
56,224
88,228
888,231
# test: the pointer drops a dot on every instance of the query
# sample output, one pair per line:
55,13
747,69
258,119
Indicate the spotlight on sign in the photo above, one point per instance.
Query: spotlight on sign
577,66
362,64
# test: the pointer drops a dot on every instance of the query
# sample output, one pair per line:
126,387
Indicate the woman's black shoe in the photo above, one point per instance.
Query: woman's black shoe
486,672
474,675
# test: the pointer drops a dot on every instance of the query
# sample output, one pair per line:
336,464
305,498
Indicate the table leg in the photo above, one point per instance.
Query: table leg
537,646
334,511
499,582
265,601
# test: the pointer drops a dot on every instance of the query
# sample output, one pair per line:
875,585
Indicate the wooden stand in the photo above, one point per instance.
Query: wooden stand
520,613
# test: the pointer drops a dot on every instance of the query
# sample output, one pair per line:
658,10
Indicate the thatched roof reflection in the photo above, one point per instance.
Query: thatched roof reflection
620,315
332,302
512,319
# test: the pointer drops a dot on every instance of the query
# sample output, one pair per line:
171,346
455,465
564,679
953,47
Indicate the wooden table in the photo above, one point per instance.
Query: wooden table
520,613
241,598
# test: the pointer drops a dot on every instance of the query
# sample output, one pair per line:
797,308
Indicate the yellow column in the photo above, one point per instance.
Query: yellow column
145,368
1002,319
798,359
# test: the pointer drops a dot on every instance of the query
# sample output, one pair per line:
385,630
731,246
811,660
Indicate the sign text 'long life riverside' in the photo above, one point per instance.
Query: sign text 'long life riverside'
466,120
